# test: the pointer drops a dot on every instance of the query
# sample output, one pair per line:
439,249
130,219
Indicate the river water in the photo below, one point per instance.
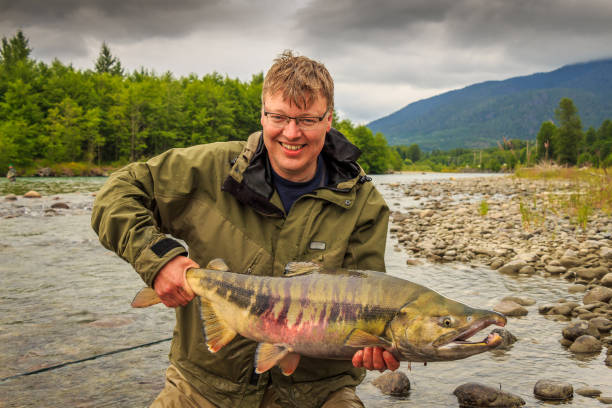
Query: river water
65,299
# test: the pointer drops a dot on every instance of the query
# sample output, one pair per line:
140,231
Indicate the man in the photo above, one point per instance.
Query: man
290,193
11,175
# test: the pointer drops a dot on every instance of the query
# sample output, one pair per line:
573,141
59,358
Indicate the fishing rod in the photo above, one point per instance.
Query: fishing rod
55,367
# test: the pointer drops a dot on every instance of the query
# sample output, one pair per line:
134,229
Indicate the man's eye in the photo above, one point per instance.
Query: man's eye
278,118
308,121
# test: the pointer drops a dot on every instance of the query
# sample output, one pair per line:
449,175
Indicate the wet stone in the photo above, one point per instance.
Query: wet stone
510,308
507,337
576,289
553,390
10,197
480,395
523,301
32,194
60,205
601,323
586,344
605,400
577,329
393,383
588,392
598,294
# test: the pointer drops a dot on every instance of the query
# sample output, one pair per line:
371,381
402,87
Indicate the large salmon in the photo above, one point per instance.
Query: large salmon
331,315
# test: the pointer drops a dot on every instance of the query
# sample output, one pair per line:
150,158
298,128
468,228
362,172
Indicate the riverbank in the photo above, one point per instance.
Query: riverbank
521,227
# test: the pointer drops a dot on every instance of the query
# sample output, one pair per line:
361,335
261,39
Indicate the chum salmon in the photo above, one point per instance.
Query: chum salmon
331,315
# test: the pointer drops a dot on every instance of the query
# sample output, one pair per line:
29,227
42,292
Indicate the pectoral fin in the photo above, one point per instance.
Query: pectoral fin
216,331
289,363
301,268
145,298
218,264
360,338
268,355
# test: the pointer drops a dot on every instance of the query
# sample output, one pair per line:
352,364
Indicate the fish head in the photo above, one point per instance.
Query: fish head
435,328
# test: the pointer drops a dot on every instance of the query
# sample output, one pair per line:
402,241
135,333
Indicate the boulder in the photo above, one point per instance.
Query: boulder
588,392
607,280
510,308
597,294
577,329
10,197
480,395
513,266
586,344
604,325
523,301
60,205
570,261
553,390
393,383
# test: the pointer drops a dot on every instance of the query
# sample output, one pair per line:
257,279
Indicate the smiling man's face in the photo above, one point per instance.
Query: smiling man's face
293,151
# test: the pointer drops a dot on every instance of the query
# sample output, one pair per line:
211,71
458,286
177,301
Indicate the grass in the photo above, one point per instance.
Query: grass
483,209
585,191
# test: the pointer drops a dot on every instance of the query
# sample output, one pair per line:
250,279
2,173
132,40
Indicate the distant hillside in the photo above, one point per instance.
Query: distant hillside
481,114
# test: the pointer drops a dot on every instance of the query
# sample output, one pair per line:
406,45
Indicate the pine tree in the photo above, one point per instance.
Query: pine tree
107,63
569,133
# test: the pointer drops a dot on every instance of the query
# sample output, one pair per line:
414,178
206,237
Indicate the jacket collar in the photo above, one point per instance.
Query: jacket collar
250,179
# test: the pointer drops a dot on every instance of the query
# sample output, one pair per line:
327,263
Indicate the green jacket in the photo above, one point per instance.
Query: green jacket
219,200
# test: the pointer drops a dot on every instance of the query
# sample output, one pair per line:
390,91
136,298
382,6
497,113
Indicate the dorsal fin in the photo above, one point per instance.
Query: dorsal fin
301,268
216,331
218,264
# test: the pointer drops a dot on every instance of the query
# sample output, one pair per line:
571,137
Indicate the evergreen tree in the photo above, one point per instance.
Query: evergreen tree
107,63
570,132
544,141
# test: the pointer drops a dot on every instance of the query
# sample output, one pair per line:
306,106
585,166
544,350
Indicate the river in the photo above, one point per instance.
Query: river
65,299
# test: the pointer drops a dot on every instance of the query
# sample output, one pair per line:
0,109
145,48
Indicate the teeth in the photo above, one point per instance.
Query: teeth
292,147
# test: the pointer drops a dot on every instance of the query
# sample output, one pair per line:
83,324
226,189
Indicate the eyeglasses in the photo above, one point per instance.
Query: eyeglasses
303,122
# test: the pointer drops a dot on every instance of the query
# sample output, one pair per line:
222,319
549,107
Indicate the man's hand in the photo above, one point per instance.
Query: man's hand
375,358
170,284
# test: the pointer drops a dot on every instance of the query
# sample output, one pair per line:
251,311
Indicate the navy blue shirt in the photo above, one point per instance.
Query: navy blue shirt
289,191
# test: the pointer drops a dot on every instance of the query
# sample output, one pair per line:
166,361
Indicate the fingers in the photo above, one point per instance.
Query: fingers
390,361
169,282
358,359
375,358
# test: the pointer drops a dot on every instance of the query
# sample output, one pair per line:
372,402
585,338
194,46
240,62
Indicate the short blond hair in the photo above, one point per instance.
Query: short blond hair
300,79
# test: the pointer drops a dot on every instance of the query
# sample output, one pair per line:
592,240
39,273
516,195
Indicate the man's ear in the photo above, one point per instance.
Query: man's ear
330,119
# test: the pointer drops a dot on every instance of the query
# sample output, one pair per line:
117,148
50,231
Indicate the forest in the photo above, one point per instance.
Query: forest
75,122
88,122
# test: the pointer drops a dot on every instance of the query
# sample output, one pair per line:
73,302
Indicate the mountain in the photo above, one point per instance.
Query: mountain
479,115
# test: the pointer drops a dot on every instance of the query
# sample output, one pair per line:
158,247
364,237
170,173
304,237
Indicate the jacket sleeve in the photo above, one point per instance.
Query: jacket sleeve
366,245
124,217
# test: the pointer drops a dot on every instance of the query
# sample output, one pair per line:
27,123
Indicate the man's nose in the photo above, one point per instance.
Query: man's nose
291,129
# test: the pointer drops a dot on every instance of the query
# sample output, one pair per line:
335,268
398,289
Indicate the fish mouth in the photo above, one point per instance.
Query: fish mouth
460,341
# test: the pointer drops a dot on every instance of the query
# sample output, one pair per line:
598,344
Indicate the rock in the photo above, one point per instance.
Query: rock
570,261
606,253
605,400
523,301
393,383
580,328
601,323
10,197
553,390
32,194
554,269
496,263
564,309
60,205
510,308
597,294
607,280
576,289
588,392
426,213
507,337
527,270
608,361
530,257
586,344
512,266
480,395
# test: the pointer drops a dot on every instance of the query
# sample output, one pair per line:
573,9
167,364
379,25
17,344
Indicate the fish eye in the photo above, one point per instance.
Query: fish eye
469,319
446,322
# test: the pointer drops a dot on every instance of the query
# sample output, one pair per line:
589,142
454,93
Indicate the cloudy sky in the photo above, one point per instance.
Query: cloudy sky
382,54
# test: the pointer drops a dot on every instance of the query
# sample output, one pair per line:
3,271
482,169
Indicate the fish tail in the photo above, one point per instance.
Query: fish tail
145,298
